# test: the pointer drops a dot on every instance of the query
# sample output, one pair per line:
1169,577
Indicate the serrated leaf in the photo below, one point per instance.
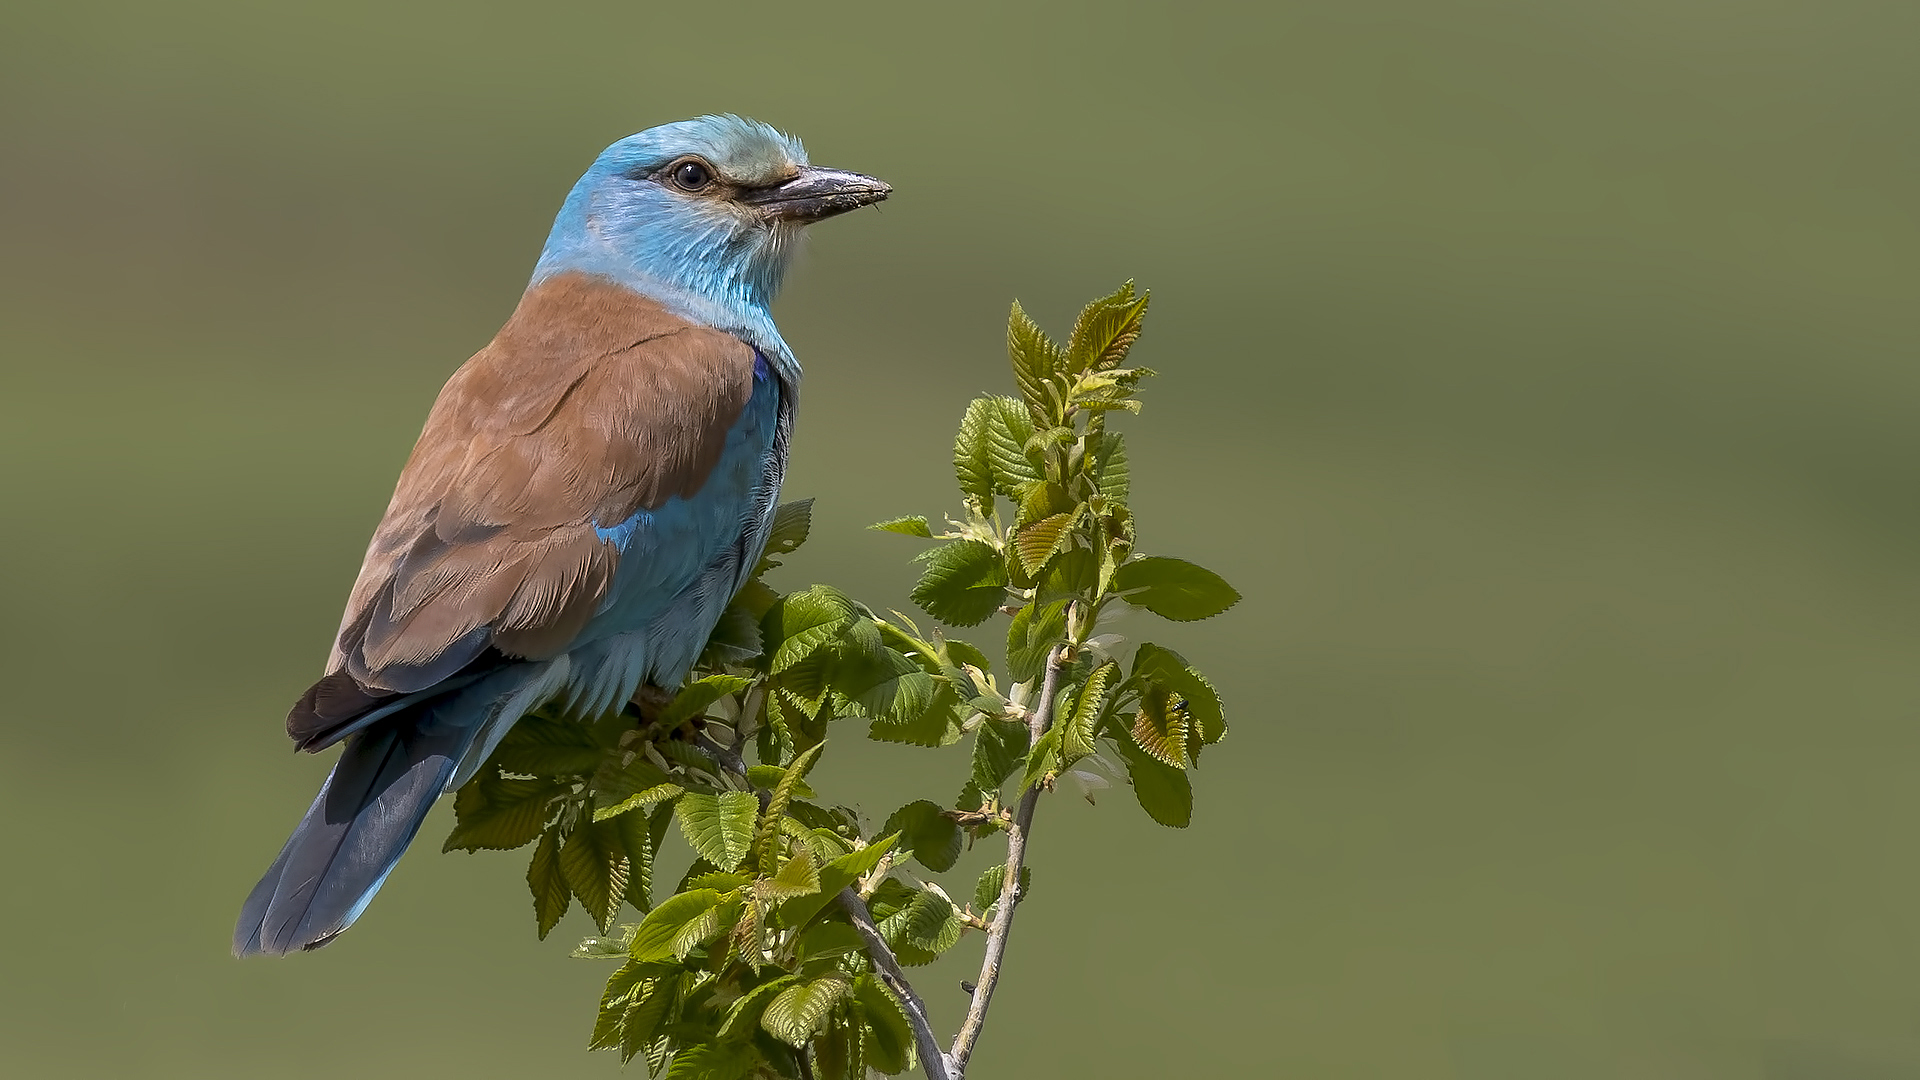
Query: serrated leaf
1042,540
768,777
911,525
971,465
887,1037
640,835
640,800
803,621
720,827
743,1016
797,877
1043,759
593,861
653,939
1110,467
828,939
1160,728
1080,723
500,814
641,1024
922,929
695,697
1035,358
625,988
925,830
1105,330
1163,668
1164,792
551,897
540,745
767,833
711,1061
1008,428
937,724
999,748
1031,638
710,924
799,1011
835,876
986,892
791,523
1174,588
964,582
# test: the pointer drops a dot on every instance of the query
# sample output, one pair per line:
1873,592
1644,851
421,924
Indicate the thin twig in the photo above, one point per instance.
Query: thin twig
933,1061
1037,723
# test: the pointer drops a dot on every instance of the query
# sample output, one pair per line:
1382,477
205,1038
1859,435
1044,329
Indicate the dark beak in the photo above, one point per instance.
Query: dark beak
815,194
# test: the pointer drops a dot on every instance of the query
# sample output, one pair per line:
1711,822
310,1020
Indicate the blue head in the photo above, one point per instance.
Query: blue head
702,215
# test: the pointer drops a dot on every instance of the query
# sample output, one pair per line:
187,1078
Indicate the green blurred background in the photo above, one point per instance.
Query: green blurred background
1543,373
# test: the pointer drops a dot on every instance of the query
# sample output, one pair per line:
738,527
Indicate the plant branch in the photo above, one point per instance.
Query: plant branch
933,1061
1037,723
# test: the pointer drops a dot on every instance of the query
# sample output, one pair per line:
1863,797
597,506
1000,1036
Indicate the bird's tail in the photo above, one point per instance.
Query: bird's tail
366,814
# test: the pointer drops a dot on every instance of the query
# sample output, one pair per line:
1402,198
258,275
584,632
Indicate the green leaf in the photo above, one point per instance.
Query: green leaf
911,525
925,829
743,1016
1043,759
551,897
640,835
493,812
828,939
999,748
694,698
593,861
540,745
963,584
835,876
971,464
937,724
736,636
986,892
1031,637
653,940
1080,723
1008,429
640,800
1166,670
767,833
1110,467
720,827
797,877
922,929
1164,792
1039,542
1035,359
1174,588
1105,330
768,777
887,1037
643,1019
1160,728
791,523
712,1061
799,1011
803,621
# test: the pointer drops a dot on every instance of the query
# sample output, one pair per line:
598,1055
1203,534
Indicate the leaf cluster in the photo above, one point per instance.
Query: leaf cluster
749,966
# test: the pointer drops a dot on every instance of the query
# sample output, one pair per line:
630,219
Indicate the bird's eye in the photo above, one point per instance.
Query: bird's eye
691,175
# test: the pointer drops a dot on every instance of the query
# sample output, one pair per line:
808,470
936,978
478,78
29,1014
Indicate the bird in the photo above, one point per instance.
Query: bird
587,494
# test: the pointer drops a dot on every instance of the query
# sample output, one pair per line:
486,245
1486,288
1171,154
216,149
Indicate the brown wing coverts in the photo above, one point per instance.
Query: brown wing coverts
592,402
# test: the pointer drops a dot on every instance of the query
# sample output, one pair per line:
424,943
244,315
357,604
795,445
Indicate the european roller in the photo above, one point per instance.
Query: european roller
588,493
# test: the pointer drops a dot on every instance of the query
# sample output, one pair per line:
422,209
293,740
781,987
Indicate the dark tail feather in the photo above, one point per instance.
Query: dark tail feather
366,814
